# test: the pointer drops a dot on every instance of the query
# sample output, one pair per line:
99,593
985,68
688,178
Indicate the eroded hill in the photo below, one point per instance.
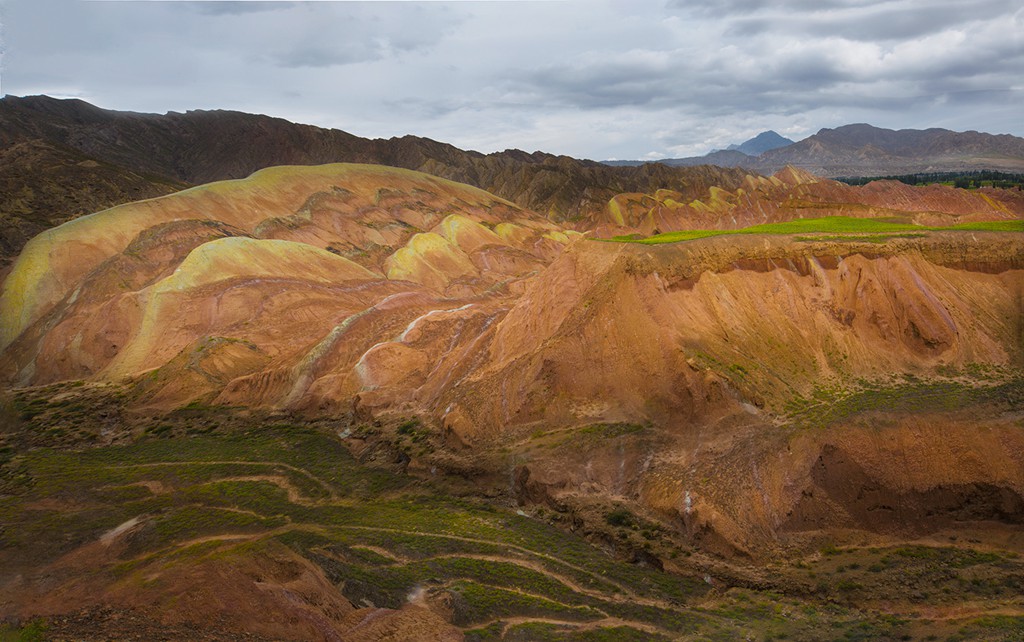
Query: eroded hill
747,399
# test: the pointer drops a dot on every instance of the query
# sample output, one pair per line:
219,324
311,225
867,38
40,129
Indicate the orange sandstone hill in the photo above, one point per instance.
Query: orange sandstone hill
851,376
384,292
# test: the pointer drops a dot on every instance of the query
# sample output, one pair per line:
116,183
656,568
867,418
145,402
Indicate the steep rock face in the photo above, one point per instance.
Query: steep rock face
534,331
678,331
256,271
49,266
759,487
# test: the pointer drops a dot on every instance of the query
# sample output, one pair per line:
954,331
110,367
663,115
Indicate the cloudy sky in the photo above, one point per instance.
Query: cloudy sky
594,79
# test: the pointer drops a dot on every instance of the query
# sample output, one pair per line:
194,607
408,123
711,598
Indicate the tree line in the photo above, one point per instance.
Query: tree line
963,180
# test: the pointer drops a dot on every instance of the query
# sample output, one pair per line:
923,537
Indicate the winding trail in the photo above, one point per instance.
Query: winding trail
535,561
295,496
305,473
539,568
593,625
628,595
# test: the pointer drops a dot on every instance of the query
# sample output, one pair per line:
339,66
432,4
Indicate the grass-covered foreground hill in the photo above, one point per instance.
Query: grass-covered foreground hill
230,526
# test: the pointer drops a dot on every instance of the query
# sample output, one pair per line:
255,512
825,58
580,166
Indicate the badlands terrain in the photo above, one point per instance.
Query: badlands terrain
362,402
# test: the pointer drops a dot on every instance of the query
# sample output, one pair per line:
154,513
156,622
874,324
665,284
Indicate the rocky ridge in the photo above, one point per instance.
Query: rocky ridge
148,154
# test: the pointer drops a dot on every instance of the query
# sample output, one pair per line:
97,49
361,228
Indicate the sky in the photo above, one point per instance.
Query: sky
598,79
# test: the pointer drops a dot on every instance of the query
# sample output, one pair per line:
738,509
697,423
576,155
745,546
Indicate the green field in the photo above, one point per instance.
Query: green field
865,229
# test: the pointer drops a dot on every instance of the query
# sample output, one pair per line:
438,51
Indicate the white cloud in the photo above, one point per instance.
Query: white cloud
590,78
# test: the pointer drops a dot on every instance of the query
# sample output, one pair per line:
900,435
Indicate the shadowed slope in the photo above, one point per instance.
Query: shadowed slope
43,184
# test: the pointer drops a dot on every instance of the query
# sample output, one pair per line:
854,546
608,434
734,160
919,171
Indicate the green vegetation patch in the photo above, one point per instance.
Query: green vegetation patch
547,632
34,631
827,406
592,435
1002,624
377,534
859,238
381,537
846,225
477,603
189,522
902,575
962,180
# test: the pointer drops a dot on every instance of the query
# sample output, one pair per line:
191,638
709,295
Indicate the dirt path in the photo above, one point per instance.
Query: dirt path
220,537
154,486
608,622
539,568
234,509
383,552
305,473
295,496
628,594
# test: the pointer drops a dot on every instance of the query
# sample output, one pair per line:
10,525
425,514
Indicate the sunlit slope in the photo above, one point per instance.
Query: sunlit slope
347,205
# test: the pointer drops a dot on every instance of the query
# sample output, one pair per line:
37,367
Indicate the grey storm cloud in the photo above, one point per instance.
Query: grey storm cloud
325,56
594,83
342,33
882,23
778,69
591,78
737,8
218,7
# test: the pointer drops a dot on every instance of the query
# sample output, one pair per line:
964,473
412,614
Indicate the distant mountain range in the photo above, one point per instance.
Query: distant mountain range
763,142
864,150
60,159
732,156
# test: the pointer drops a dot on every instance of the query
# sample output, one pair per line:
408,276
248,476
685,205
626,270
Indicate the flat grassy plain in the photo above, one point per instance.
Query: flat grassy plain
859,229
380,535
